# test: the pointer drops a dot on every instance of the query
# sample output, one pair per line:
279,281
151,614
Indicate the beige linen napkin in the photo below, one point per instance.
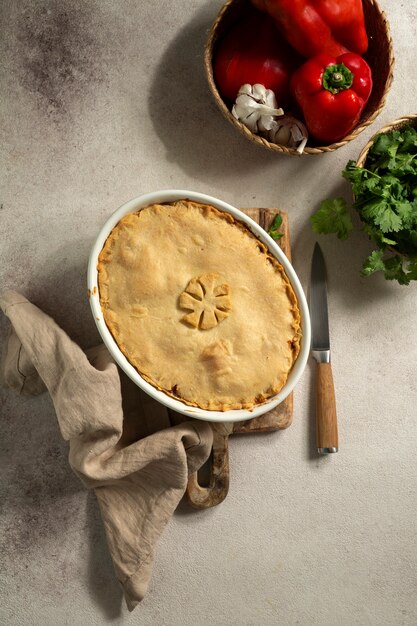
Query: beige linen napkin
116,445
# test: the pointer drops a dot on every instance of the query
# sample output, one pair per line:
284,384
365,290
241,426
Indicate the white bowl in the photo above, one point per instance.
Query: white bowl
236,415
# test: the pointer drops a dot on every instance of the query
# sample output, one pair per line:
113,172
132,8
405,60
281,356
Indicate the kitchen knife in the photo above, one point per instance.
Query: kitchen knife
326,419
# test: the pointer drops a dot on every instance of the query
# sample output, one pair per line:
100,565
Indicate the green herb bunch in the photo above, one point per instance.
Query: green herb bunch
385,193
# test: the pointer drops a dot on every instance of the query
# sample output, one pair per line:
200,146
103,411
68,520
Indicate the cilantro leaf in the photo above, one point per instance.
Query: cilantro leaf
392,186
273,230
373,185
378,236
373,263
406,213
403,164
392,267
332,217
409,143
385,144
388,220
373,209
394,270
412,270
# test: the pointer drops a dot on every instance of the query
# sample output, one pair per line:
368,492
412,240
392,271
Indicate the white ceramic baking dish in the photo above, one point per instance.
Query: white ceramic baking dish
170,195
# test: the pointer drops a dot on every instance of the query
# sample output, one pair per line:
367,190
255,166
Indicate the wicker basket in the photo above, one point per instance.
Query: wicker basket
396,125
400,123
380,57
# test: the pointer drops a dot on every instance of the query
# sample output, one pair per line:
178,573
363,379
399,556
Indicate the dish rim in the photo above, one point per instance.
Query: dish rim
172,195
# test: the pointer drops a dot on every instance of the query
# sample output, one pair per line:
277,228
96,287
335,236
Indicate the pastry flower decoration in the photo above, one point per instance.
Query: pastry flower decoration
207,301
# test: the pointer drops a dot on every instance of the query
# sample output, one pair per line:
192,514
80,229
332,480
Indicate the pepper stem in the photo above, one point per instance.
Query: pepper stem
337,77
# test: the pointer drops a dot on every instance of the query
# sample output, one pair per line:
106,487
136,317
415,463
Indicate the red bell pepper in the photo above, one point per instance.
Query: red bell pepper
332,93
253,52
319,26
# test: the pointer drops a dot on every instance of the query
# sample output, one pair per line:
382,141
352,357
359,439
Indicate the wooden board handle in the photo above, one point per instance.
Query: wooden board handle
327,438
203,497
218,487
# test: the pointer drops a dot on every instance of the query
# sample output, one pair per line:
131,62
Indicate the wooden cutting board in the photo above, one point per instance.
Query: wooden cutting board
217,485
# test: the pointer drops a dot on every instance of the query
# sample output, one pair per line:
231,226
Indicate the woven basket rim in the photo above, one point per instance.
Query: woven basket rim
257,139
398,123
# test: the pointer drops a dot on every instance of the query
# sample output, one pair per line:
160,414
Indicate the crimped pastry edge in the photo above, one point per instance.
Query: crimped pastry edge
104,259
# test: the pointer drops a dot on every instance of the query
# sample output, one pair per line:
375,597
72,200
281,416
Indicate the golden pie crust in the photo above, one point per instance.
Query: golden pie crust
199,306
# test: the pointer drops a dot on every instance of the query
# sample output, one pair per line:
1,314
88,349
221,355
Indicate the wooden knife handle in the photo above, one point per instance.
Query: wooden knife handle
326,418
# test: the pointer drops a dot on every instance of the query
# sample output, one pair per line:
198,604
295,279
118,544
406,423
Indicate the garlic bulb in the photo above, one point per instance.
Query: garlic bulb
288,131
256,107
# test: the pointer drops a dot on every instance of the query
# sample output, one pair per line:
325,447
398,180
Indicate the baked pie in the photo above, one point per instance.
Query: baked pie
199,306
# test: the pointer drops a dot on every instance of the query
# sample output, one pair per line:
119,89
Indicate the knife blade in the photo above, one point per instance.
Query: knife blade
326,416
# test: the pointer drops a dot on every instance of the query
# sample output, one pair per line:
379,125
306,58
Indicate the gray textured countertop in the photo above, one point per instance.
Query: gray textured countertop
103,101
